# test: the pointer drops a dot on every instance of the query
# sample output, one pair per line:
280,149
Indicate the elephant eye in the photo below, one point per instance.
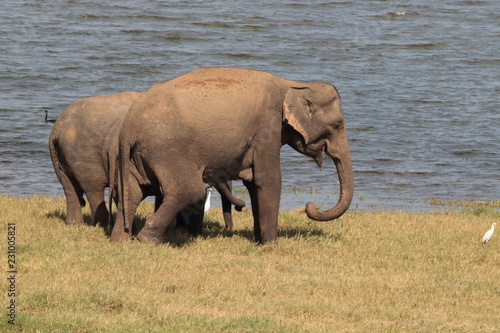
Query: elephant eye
336,125
309,104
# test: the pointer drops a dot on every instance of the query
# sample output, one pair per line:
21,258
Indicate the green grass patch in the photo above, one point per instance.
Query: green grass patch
375,271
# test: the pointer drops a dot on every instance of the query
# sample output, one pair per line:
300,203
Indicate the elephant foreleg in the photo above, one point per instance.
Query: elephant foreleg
265,192
156,225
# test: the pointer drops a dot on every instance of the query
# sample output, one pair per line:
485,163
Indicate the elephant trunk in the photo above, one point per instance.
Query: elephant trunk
342,159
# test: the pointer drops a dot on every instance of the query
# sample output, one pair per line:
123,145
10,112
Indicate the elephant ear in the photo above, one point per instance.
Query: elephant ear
297,111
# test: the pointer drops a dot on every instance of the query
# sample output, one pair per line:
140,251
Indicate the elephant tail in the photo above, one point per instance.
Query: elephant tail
112,165
62,176
123,181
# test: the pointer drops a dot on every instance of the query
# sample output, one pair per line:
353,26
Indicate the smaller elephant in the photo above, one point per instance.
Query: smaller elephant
84,142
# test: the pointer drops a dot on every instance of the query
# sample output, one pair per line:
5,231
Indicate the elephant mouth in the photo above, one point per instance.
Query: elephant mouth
316,152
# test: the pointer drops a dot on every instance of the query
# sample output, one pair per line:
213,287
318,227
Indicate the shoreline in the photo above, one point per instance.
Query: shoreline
478,207
413,206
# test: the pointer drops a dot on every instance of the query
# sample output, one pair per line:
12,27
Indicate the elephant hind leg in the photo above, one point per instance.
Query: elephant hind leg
98,208
119,233
74,199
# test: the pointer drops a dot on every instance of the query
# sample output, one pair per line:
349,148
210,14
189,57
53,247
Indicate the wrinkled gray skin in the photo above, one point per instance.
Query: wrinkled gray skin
213,125
82,143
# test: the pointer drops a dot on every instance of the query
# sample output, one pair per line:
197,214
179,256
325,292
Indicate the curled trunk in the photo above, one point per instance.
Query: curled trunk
342,160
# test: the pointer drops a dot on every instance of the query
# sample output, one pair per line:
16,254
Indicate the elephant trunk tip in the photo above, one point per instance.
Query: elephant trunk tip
314,213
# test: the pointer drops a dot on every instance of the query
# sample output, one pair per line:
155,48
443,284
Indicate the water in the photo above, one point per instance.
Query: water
419,82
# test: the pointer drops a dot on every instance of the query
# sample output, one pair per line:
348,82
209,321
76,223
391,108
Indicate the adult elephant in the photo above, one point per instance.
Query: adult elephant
212,124
84,145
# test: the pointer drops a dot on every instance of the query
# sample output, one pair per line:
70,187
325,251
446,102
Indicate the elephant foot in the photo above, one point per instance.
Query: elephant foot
266,242
149,237
72,221
228,232
120,237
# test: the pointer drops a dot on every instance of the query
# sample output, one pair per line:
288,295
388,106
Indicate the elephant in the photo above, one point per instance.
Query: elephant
213,125
84,145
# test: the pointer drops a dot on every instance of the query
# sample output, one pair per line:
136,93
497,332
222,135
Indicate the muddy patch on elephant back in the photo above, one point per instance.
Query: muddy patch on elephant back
219,83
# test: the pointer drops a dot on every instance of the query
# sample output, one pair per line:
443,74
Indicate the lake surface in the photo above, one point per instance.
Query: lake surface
419,82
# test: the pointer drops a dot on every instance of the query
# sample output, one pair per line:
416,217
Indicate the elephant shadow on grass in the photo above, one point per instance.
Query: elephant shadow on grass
212,228
61,214
139,220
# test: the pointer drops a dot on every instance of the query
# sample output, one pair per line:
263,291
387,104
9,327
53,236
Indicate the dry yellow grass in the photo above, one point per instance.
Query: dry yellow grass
367,272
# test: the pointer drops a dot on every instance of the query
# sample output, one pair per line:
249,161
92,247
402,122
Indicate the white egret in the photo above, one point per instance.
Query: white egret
207,200
487,236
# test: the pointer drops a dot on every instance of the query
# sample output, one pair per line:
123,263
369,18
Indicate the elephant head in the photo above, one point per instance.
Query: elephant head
313,123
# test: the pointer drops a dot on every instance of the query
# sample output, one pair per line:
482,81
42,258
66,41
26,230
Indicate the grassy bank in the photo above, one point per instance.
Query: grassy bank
367,272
